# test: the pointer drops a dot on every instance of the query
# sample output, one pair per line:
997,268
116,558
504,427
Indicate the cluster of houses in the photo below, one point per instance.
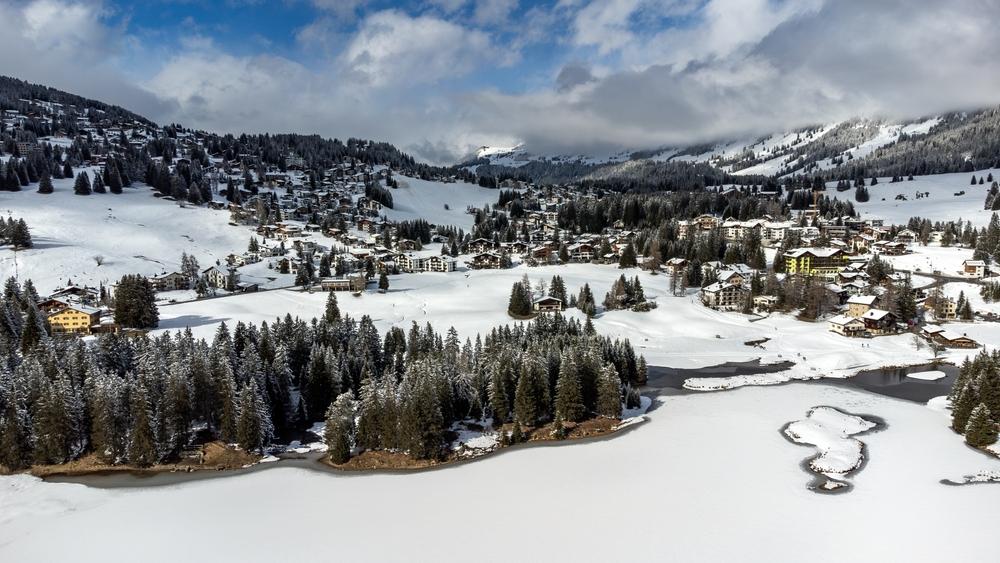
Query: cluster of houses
75,310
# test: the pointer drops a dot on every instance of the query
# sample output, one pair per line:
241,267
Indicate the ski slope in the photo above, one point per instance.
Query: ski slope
134,232
708,478
423,199
941,205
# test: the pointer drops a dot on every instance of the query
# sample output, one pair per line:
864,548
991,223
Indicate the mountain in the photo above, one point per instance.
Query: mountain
947,143
84,127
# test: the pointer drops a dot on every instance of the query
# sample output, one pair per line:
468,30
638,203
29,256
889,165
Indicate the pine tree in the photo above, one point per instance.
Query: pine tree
628,258
383,283
520,301
609,393
45,184
20,236
980,431
253,430
339,431
15,431
569,398
141,443
332,312
81,186
962,406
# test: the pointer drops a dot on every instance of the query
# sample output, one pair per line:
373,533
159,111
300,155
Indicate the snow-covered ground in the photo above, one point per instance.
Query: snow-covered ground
423,199
680,333
946,259
972,294
134,232
690,483
941,205
830,431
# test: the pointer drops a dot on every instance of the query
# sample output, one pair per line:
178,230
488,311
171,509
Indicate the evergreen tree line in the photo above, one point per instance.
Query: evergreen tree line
137,399
376,192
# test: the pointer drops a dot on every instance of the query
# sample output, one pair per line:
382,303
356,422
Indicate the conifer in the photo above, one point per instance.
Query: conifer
980,431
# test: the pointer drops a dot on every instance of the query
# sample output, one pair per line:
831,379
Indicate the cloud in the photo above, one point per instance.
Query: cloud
573,75
393,47
489,12
69,45
741,68
592,75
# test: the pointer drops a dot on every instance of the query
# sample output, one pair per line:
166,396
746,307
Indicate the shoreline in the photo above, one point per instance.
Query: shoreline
666,382
115,477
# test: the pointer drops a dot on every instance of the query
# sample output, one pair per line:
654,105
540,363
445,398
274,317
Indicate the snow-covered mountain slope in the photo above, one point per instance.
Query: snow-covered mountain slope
954,142
940,204
519,155
134,233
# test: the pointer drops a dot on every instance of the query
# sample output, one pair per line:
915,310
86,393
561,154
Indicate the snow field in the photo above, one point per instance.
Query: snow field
689,475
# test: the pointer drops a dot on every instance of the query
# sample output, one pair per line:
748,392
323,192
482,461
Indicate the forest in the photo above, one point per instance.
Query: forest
142,399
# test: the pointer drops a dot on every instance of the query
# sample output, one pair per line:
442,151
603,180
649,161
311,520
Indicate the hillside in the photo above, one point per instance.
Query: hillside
949,143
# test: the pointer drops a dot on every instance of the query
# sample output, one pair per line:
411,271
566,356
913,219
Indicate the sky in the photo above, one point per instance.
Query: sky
440,78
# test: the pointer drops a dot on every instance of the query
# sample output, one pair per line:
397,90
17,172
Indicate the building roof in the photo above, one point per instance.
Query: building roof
876,314
844,320
862,300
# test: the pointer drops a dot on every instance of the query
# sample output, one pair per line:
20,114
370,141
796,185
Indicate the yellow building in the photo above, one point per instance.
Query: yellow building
815,261
75,319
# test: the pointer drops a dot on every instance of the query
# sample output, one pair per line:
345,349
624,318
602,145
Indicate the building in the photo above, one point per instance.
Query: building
348,283
847,325
724,296
74,319
547,304
974,268
218,278
827,262
485,261
878,322
858,305
169,282
765,303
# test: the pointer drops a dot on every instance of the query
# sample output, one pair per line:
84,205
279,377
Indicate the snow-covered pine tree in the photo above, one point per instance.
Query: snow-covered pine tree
980,431
609,393
569,399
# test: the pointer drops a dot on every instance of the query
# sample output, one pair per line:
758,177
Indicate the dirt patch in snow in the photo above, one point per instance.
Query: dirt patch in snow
213,456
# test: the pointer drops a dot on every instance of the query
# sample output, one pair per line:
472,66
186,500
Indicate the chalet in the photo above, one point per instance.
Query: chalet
724,296
75,319
879,322
675,266
733,277
49,306
485,261
974,268
348,283
583,252
547,304
169,282
847,325
481,245
906,236
858,305
955,340
77,293
890,248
